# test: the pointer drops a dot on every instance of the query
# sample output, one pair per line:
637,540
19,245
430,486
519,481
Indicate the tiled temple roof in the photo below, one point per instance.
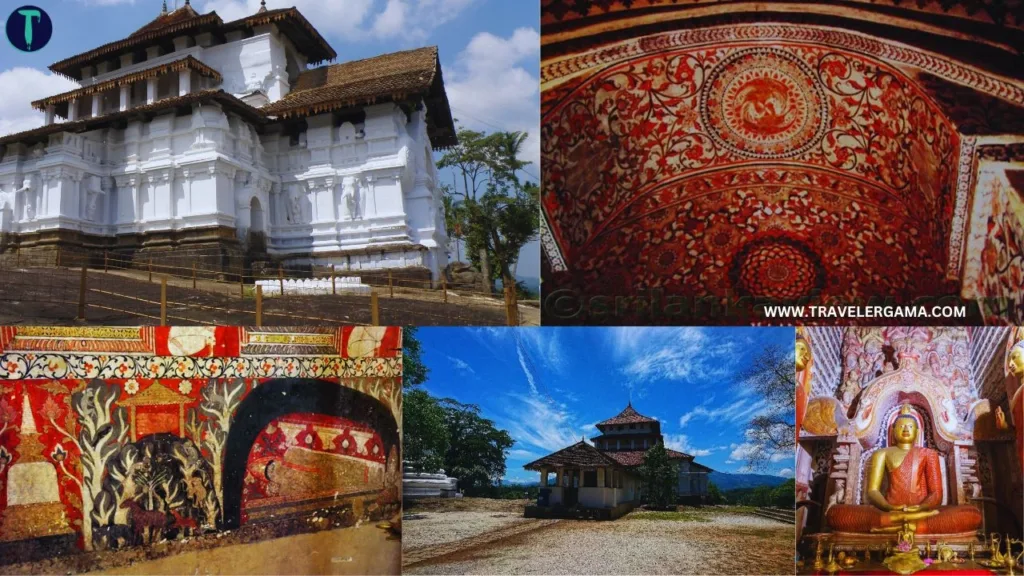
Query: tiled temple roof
627,416
580,454
387,78
185,20
636,457
93,123
173,66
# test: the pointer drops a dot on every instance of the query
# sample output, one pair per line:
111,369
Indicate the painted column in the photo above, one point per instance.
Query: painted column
125,97
97,101
544,476
49,115
151,90
73,110
184,82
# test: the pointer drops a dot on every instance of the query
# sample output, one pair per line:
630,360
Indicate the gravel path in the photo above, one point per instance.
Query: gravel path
435,528
725,544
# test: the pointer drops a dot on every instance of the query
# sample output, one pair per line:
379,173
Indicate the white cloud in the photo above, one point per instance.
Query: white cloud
523,454
686,354
493,85
170,3
533,421
742,452
526,371
462,366
356,20
736,412
785,473
16,112
392,20
681,443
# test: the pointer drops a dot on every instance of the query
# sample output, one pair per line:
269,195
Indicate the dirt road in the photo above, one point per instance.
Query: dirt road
713,543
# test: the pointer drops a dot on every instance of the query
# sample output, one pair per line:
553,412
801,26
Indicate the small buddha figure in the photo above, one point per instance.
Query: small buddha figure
913,495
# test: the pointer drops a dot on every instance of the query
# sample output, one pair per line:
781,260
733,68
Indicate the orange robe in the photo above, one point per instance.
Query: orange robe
916,481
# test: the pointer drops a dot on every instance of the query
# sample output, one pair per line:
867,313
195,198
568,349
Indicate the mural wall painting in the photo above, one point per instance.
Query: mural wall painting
112,438
995,249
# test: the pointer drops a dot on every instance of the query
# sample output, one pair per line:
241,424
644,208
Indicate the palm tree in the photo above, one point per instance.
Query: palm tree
454,216
508,146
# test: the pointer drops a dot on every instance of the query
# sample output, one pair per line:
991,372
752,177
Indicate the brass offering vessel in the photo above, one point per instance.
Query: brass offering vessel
907,557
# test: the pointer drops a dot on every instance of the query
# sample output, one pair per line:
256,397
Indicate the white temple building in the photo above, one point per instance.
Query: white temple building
219,140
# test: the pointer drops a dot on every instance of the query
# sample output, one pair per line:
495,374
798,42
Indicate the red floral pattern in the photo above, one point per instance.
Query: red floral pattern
659,170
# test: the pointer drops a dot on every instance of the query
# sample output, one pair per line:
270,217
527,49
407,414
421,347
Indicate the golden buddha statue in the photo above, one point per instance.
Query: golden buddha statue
803,354
913,495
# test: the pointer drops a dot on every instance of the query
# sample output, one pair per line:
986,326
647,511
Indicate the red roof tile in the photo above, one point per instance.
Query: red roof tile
627,416
186,21
178,16
385,78
636,457
580,454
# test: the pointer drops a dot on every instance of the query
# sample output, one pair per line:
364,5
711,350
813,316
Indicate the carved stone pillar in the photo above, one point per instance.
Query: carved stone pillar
844,473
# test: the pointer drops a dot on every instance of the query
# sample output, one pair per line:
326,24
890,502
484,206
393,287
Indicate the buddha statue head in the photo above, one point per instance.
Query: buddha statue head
904,427
803,354
1015,361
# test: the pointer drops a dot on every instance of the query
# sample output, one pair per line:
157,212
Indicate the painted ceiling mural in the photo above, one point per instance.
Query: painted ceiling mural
766,160
1008,12
114,437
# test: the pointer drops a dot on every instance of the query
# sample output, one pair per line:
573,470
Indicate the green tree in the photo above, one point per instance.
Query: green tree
714,496
784,495
454,218
477,450
425,441
414,372
501,213
425,436
659,478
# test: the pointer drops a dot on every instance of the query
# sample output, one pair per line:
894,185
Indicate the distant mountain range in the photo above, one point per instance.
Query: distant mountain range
726,481
533,284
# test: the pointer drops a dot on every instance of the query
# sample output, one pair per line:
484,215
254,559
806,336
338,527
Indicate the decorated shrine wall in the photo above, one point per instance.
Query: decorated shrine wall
942,354
994,269
301,458
124,436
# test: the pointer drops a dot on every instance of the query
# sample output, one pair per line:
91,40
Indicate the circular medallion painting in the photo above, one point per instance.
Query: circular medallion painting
777,268
764,103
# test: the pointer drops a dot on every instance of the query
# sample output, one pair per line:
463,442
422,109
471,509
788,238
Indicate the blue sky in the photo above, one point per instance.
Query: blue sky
549,386
490,53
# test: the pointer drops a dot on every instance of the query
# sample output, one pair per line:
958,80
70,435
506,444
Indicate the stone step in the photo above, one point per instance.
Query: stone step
786,516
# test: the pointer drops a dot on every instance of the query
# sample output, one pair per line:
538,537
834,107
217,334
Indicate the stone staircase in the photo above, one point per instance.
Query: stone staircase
777,514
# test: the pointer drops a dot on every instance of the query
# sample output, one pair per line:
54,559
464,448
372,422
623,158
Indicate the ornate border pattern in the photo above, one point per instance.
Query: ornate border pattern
551,249
22,366
892,52
958,228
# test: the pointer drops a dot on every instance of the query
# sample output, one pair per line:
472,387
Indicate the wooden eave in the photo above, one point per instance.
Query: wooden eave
189,62
253,115
295,27
72,67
